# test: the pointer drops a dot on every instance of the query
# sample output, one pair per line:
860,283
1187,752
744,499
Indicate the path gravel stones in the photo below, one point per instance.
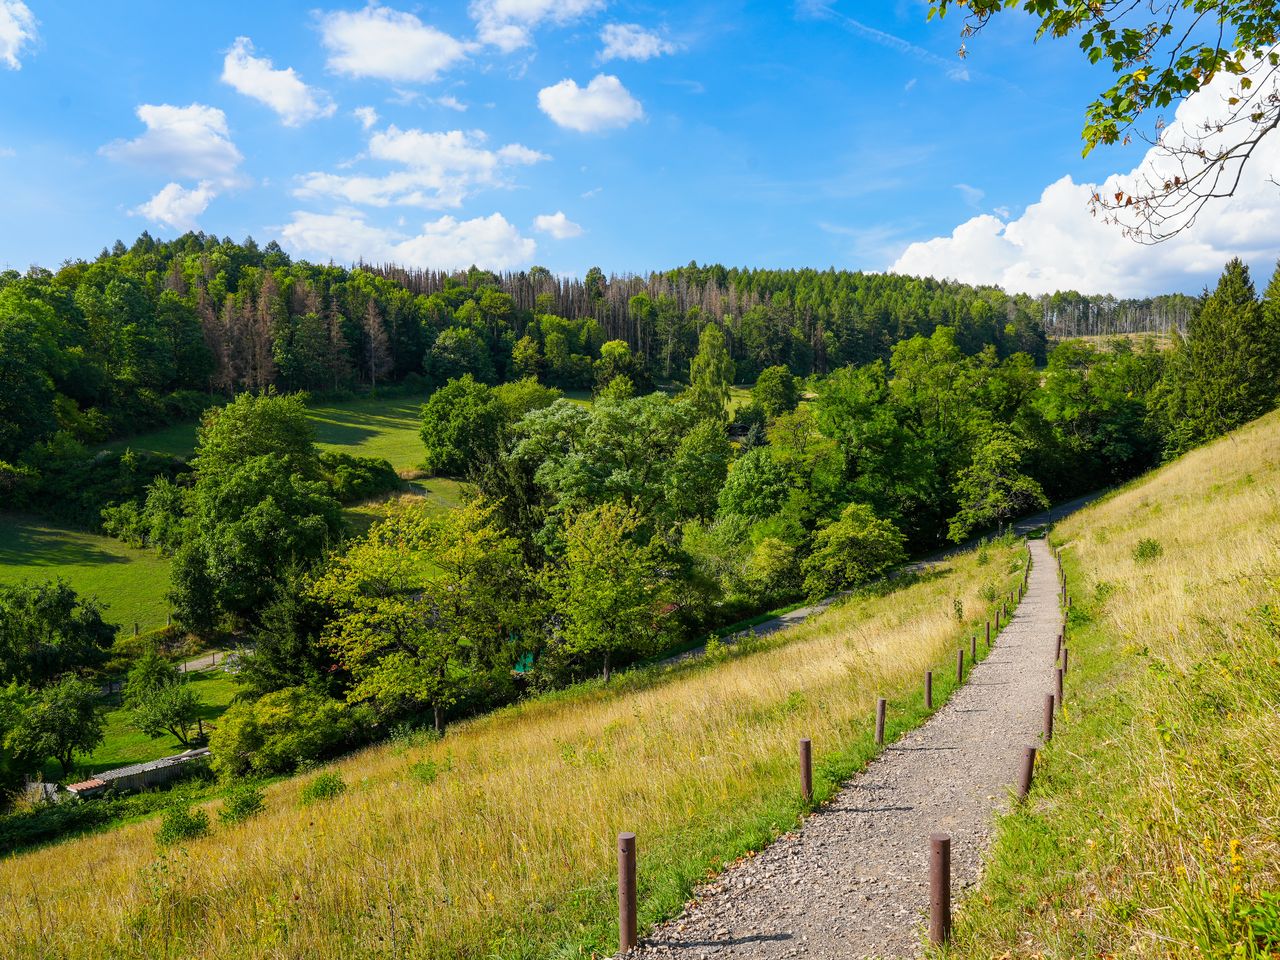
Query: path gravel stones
853,881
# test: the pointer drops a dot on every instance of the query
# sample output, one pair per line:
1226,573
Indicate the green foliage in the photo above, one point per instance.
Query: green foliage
755,487
241,802
47,629
608,590
1147,550
710,375
353,478
775,391
851,551
59,720
993,488
698,469
326,786
180,823
277,732
171,708
149,673
421,607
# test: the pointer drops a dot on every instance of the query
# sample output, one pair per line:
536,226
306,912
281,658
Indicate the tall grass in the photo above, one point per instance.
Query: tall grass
498,840
1155,825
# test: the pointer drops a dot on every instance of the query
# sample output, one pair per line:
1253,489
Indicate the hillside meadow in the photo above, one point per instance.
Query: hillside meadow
1153,830
498,840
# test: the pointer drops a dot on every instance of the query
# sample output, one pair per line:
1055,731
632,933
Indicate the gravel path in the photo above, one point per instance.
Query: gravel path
853,881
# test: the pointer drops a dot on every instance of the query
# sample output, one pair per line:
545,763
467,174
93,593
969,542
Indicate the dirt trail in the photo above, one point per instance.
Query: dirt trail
853,881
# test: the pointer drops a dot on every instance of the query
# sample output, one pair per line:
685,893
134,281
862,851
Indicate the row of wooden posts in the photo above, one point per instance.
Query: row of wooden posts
939,843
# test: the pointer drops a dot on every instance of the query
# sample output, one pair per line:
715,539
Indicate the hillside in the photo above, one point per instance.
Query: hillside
1153,829
498,839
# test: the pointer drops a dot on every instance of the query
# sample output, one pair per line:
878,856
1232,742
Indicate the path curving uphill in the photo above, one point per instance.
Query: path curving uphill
853,880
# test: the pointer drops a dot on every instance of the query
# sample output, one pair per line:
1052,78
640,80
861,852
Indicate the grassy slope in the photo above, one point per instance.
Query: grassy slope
498,841
1154,823
130,583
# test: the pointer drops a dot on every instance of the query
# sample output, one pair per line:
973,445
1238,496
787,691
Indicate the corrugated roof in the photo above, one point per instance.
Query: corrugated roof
86,784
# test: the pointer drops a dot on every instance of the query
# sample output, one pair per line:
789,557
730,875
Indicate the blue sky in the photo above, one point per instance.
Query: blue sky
632,136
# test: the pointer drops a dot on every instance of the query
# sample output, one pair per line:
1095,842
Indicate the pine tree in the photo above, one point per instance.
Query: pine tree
377,348
1223,373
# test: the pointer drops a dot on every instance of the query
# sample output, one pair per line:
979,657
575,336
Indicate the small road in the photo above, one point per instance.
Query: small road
1020,527
852,882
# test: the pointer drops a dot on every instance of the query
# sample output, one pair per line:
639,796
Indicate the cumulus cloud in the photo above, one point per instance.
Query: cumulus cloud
450,102
1057,243
388,44
602,104
435,170
17,31
509,24
491,242
281,90
557,225
367,116
630,41
191,142
177,206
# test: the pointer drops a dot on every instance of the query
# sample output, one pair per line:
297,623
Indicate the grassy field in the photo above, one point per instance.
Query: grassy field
123,745
1154,828
130,583
385,427
498,841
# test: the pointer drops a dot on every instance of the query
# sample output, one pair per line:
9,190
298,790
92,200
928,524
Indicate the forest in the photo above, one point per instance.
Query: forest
887,417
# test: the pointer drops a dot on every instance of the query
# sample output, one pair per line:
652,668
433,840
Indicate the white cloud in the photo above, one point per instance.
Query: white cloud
1057,243
388,44
630,41
17,30
507,24
436,170
191,142
557,225
281,90
910,85
447,243
366,115
178,207
600,105
972,195
451,102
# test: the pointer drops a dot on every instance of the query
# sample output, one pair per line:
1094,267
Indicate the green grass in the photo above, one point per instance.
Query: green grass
385,427
440,494
130,583
123,745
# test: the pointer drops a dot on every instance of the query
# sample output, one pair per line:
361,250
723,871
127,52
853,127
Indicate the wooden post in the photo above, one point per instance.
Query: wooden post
928,689
135,628
1065,654
973,648
988,634
939,888
880,705
960,666
1057,691
1048,717
806,770
1028,769
626,892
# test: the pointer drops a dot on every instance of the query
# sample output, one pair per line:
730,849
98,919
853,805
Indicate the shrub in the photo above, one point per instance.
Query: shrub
1148,549
425,771
180,823
324,787
241,803
852,551
278,732
358,478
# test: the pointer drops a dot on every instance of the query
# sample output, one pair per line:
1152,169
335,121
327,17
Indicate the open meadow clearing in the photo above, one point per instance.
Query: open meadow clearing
498,839
1153,825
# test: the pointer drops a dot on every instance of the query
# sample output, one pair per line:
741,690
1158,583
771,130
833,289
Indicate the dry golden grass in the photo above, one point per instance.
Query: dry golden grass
509,849
1156,827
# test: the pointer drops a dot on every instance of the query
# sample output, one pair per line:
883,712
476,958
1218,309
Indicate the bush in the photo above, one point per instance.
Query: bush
324,787
180,823
358,478
1148,549
241,803
277,732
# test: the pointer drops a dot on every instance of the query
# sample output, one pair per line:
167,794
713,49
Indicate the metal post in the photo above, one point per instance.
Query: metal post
626,891
939,888
928,689
806,770
1057,691
1048,717
960,666
1028,768
880,722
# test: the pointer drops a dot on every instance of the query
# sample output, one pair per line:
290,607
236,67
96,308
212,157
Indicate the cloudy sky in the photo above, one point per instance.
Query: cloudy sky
572,133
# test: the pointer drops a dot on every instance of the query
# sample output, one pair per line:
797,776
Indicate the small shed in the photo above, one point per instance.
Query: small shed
138,776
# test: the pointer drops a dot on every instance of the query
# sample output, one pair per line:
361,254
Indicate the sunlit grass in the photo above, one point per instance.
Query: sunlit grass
499,840
1154,828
